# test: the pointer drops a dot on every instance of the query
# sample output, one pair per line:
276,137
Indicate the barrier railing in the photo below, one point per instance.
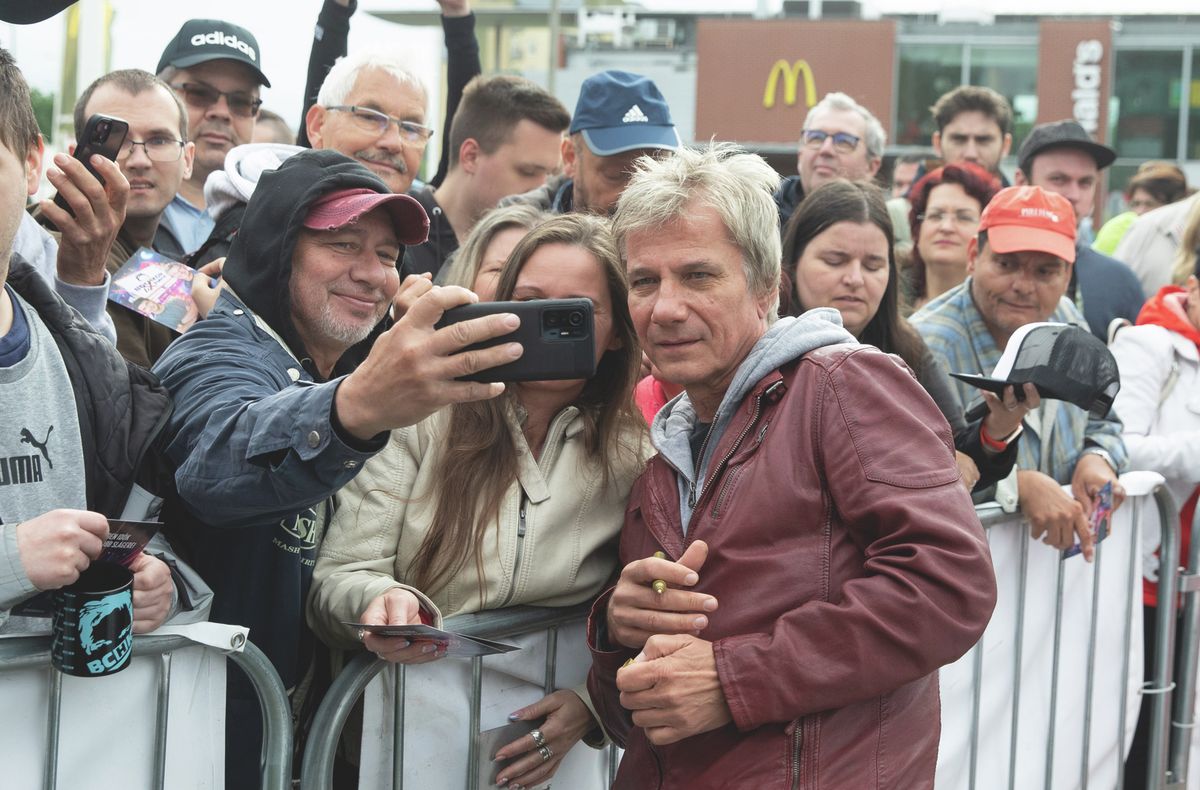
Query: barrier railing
1171,690
34,653
317,766
1183,719
1075,622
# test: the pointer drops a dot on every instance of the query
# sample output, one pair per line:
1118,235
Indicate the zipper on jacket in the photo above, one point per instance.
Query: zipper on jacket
512,589
730,479
797,744
693,497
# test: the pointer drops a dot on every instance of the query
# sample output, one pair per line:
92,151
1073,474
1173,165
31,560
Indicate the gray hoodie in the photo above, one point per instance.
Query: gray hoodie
786,340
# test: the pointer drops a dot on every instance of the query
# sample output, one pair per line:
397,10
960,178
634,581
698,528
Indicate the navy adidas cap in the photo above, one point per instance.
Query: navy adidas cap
618,111
202,40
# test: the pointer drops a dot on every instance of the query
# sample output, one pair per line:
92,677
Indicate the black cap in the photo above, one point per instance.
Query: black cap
27,12
202,40
1063,134
1065,362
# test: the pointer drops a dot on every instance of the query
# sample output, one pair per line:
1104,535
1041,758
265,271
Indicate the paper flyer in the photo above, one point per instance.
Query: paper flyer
1101,518
125,541
157,287
455,644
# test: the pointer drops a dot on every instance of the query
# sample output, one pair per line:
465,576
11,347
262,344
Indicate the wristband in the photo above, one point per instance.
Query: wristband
998,445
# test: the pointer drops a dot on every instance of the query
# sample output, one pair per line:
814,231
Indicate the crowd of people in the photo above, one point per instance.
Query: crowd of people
765,491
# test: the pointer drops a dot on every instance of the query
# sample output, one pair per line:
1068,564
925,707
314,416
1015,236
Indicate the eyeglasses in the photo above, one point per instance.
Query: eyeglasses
377,123
843,142
203,96
158,149
960,217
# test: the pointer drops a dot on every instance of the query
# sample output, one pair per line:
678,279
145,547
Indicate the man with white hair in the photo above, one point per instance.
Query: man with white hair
819,557
840,139
371,107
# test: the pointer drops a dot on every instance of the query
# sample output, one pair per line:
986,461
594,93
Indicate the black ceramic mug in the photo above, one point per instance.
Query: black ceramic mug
92,626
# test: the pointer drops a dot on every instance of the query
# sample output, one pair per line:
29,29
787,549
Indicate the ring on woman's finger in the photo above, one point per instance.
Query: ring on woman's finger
545,752
539,740
362,634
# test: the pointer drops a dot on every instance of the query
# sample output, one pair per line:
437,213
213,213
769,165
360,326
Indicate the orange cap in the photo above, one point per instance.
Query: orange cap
1024,219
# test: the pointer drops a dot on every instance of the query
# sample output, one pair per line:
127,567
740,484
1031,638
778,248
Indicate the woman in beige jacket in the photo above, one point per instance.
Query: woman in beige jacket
518,500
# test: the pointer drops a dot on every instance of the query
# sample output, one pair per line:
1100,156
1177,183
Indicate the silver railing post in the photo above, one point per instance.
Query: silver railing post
34,653
399,679
1132,574
348,686
160,717
1183,722
53,720
1160,686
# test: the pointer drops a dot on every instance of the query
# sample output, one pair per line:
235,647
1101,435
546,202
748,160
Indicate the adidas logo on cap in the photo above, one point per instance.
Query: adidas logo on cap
231,41
635,115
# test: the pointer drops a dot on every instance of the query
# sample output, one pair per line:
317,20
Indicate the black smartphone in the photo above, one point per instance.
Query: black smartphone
102,134
557,335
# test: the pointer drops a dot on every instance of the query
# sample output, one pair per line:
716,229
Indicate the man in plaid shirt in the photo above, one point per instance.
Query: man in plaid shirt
1019,268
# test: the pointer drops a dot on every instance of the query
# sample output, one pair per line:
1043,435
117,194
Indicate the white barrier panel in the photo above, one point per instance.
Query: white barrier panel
437,714
1118,638
107,724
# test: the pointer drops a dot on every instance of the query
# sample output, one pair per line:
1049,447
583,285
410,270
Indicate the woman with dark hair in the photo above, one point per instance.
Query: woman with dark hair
838,252
498,503
946,206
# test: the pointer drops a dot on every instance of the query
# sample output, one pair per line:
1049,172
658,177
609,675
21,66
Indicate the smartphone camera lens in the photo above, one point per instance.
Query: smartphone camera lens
575,318
553,319
102,130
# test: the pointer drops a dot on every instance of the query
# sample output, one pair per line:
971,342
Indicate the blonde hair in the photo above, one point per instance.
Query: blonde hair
480,461
464,266
1186,259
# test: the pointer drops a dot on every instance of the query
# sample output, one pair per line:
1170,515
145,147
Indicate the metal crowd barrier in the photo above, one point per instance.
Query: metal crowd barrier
276,768
317,766
1183,719
1171,693
1159,688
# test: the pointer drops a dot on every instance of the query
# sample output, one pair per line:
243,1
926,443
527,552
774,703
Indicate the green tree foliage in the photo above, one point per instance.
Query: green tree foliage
43,110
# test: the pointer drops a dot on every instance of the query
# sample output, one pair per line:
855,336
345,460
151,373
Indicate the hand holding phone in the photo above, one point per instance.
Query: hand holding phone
556,334
103,135
89,208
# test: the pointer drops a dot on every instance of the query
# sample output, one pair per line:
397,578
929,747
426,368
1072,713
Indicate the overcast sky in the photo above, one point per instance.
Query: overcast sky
142,28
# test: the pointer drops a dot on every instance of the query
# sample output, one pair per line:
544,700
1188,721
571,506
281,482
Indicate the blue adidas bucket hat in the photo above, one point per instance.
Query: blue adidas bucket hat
618,111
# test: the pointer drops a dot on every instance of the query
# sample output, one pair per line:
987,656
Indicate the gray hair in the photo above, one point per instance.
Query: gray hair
341,78
724,177
876,136
463,268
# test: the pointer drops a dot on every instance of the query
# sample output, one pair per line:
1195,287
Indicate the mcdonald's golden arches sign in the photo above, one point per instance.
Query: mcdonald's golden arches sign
756,80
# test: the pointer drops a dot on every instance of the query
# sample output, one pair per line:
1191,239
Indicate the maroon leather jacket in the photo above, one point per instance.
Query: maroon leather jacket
849,565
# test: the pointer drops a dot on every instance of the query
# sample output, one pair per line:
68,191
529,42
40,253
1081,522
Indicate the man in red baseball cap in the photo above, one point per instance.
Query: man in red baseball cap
1018,270
294,380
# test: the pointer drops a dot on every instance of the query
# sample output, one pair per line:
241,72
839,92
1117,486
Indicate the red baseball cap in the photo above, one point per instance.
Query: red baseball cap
345,206
1023,219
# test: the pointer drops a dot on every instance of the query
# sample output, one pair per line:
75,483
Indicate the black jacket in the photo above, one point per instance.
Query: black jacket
122,408
433,253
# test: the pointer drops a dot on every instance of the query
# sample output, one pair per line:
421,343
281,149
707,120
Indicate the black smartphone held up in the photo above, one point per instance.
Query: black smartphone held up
557,336
102,134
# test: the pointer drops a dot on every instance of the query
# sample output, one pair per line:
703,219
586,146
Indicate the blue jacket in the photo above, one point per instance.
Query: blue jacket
1103,288
252,440
256,460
